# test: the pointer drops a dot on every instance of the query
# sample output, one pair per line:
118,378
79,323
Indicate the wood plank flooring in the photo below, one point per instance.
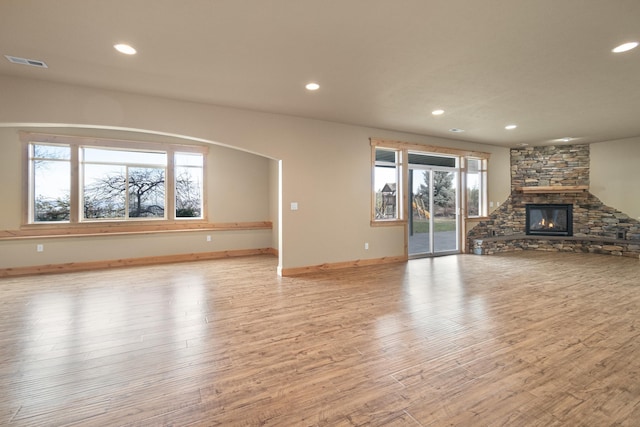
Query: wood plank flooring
524,339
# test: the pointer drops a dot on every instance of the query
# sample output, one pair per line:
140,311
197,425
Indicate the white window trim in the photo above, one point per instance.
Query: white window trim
76,142
400,179
483,172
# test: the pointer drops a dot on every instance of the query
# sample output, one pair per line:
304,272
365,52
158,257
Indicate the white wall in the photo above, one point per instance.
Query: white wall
238,188
614,174
325,166
499,171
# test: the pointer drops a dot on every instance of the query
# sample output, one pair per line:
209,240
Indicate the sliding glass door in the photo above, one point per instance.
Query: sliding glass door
433,223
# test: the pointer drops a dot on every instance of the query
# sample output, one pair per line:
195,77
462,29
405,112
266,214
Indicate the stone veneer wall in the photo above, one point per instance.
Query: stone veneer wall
596,227
549,166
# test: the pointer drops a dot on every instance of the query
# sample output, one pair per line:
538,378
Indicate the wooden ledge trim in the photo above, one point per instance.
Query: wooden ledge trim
477,218
553,189
37,231
388,222
130,262
296,271
390,143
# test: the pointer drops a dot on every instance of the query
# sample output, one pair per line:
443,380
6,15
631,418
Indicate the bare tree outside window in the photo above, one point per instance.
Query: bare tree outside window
113,183
188,187
123,184
50,183
104,192
51,210
146,192
106,195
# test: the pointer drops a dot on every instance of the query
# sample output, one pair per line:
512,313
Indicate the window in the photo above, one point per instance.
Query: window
50,182
476,178
188,185
122,184
386,179
74,180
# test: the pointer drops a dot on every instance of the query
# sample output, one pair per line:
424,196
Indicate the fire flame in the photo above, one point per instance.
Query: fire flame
544,224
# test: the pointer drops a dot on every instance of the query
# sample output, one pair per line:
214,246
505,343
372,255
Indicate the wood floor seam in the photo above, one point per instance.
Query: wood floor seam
521,339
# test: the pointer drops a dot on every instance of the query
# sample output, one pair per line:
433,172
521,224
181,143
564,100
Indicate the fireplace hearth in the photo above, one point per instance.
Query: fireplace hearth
549,219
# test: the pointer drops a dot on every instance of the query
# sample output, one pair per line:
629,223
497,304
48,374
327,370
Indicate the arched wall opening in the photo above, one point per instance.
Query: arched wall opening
243,189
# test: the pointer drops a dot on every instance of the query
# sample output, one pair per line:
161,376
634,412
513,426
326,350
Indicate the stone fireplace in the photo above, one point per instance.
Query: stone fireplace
548,219
544,177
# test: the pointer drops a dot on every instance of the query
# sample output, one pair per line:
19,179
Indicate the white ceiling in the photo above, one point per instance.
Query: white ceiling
545,65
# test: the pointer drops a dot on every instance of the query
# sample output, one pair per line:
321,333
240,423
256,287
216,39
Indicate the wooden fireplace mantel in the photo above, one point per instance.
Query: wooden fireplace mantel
553,189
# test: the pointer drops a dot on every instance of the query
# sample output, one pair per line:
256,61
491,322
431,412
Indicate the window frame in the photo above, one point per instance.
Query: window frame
174,179
32,178
399,172
482,196
76,219
128,166
403,149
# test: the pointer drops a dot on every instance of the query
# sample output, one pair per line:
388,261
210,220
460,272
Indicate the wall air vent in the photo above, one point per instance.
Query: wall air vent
24,61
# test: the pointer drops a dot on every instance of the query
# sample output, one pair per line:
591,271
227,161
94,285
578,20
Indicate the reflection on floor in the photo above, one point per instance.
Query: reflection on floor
519,339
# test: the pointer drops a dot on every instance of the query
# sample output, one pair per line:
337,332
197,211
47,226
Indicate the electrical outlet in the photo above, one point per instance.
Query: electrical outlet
208,238
366,246
39,248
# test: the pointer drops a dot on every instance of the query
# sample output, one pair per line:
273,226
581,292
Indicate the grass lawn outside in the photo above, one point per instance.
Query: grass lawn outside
439,224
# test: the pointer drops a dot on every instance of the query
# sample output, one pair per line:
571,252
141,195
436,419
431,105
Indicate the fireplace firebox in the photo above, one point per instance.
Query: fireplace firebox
549,219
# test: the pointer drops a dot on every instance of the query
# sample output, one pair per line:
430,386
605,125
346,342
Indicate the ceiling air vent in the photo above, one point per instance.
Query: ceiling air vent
24,61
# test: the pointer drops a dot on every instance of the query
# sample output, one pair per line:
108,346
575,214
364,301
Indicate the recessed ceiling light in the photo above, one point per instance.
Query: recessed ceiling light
523,144
125,48
625,47
510,127
437,112
566,139
312,86
456,130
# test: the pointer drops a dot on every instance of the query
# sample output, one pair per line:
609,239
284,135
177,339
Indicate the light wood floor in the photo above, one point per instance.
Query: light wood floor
528,339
